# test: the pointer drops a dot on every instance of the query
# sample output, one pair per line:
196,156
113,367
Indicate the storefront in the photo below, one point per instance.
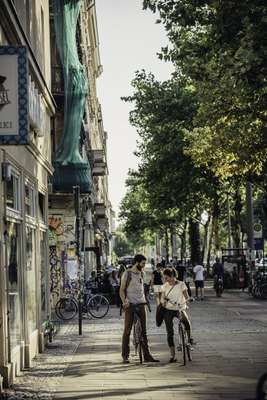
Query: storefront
25,166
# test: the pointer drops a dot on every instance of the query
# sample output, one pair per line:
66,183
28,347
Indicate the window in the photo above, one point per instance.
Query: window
43,275
41,204
12,246
31,280
12,192
29,200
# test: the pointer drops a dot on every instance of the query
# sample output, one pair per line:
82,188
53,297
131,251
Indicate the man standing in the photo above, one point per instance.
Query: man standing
218,269
132,294
199,280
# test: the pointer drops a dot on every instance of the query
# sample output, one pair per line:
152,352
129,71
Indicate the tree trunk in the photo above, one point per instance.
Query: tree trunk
209,242
236,224
216,214
194,237
167,244
205,241
183,242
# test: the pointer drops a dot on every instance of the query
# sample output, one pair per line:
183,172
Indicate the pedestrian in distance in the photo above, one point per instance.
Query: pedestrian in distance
199,280
157,282
132,294
174,296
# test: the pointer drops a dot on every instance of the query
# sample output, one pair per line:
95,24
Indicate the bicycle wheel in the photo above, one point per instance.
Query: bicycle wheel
66,309
182,341
98,306
140,352
189,352
262,388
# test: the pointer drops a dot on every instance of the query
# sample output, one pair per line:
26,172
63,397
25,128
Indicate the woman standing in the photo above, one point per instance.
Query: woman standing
157,282
174,296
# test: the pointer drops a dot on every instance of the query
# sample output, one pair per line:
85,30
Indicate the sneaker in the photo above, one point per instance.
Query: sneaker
151,359
179,347
125,361
172,360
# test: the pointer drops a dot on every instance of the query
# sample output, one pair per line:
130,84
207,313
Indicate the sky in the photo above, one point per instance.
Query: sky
129,40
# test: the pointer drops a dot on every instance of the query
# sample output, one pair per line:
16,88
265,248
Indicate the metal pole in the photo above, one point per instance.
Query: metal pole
77,206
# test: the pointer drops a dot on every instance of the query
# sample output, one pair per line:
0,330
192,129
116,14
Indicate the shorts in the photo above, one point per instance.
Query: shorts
199,284
157,288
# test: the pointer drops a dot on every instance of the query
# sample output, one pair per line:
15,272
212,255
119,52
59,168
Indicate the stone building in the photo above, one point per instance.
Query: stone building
79,147
25,167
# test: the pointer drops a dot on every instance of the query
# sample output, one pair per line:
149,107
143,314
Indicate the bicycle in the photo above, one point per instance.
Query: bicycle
184,340
138,338
95,306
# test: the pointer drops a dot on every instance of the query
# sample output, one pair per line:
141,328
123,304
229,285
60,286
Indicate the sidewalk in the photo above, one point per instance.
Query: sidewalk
229,357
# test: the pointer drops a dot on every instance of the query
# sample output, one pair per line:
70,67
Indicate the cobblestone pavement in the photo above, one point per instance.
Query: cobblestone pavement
42,379
230,355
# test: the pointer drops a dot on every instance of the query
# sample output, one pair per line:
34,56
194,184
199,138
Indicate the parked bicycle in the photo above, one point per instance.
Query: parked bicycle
258,287
95,306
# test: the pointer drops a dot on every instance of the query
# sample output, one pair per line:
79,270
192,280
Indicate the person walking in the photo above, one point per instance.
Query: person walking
174,297
157,281
199,280
132,294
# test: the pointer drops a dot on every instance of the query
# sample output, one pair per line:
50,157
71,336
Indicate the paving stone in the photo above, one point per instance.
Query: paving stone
229,357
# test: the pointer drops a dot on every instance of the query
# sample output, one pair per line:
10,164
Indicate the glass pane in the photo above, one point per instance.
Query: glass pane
31,279
10,195
41,199
43,275
27,200
13,284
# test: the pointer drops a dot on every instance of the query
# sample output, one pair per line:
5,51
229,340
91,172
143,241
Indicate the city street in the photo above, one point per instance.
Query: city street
229,357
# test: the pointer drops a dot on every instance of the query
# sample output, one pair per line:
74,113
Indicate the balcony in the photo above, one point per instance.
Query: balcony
98,161
102,224
100,210
67,176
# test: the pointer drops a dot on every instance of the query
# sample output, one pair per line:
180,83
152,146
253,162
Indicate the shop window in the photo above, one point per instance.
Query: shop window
43,275
29,201
31,279
12,192
14,318
41,203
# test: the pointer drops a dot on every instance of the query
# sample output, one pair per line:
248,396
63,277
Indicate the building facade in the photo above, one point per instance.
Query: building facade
75,52
25,171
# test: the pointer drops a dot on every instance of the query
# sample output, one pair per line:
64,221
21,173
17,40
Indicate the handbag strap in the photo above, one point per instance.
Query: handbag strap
171,289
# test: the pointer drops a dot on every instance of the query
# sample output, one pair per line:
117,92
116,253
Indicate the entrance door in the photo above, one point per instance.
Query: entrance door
13,279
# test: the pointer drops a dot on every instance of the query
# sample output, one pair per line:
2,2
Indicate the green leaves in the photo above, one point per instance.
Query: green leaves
221,50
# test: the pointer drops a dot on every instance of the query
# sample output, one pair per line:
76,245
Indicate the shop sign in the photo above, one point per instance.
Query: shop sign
14,129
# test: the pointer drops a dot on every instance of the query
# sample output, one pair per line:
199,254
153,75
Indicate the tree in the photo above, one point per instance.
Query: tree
172,187
221,50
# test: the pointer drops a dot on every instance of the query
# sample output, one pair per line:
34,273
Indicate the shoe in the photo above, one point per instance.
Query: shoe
179,347
151,359
172,360
125,361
